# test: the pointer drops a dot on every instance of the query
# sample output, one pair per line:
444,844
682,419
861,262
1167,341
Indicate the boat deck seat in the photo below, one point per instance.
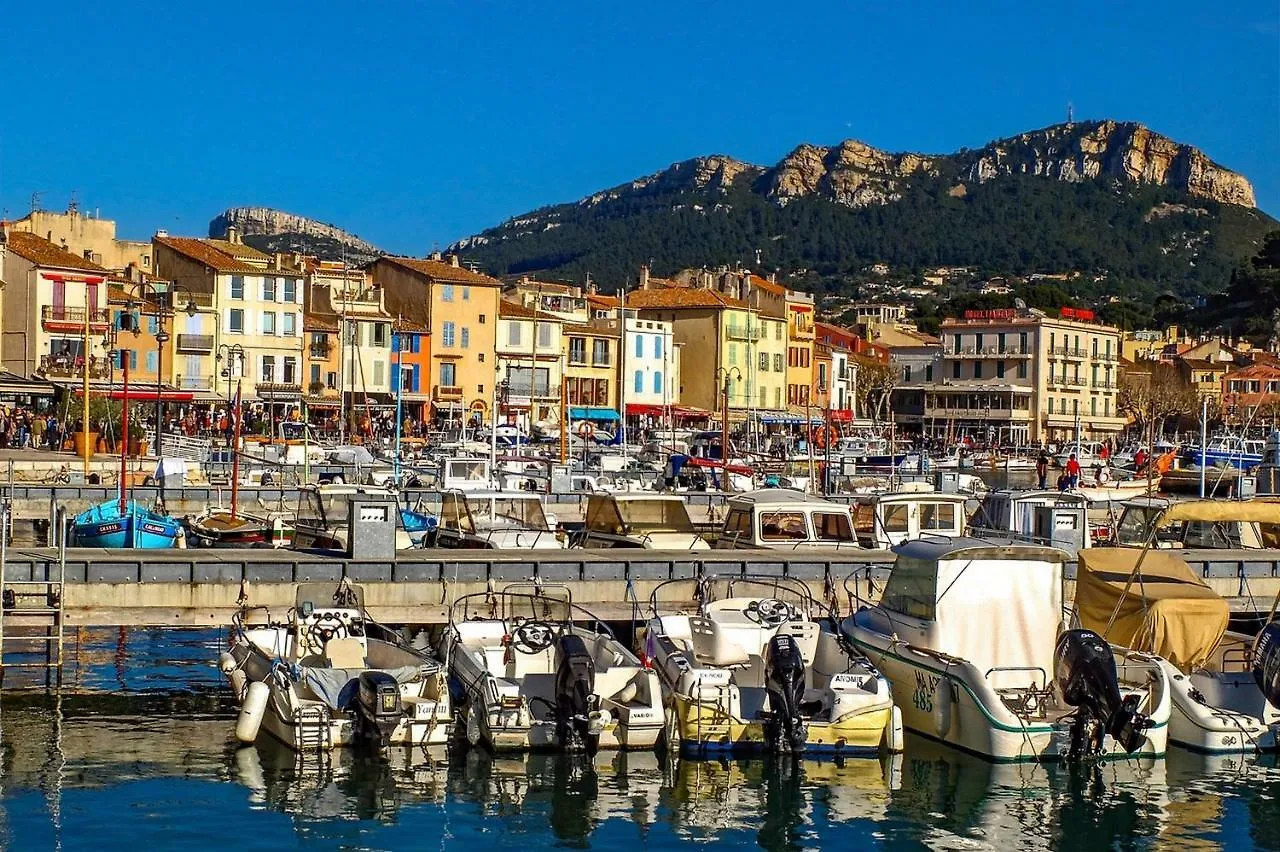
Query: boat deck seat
712,647
344,653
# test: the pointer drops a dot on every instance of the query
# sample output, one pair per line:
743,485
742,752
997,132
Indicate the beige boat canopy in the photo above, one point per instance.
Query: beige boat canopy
1209,511
1168,610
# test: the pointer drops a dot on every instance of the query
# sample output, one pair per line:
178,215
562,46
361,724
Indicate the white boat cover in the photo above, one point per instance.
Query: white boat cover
1167,610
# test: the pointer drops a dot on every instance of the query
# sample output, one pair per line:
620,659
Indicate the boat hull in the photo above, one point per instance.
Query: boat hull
135,528
949,702
1220,713
704,728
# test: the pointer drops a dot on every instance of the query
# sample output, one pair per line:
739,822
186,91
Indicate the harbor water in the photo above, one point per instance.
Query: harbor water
137,752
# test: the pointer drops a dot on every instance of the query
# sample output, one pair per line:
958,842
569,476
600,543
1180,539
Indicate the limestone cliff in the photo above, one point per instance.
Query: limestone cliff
852,173
293,232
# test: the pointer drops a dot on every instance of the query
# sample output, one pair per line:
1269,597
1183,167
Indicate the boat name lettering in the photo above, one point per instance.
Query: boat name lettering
926,689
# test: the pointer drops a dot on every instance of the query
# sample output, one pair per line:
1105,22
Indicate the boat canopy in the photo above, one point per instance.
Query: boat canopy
1245,511
1168,610
995,605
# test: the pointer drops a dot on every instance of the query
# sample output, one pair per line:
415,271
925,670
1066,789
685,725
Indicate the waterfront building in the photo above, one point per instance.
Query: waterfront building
1020,375
530,355
411,368
800,336
459,309
1249,387
47,291
591,372
247,299
87,236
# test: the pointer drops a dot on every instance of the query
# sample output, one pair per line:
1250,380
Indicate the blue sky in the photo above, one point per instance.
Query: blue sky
415,123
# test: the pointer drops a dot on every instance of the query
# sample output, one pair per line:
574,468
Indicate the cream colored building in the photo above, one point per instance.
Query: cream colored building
87,237
349,298
530,352
257,304
1024,377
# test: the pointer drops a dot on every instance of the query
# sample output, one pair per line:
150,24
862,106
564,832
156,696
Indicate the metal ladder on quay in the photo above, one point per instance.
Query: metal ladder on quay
39,605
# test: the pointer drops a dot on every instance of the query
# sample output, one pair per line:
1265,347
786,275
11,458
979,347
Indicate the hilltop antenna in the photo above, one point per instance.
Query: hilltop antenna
72,204
35,200
1071,113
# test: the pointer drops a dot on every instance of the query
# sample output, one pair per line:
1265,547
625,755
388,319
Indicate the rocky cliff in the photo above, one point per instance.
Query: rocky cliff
275,230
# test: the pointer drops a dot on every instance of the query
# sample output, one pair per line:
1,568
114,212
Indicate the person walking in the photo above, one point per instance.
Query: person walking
1042,471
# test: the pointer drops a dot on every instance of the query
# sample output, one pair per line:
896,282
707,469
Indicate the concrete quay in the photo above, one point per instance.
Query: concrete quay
203,587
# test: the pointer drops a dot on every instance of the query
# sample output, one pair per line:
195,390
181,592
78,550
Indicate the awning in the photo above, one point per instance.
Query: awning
12,383
139,393
587,413
636,409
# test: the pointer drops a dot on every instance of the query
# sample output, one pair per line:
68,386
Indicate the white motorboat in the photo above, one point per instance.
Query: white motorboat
506,520
539,672
971,635
784,519
322,523
1150,602
1087,453
756,669
888,519
330,677
655,521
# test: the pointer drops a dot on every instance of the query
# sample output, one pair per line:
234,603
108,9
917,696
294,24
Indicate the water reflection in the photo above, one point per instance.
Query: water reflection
96,771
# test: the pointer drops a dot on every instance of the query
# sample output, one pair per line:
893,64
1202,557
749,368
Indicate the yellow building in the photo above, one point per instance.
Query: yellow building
530,360
459,308
591,372
800,364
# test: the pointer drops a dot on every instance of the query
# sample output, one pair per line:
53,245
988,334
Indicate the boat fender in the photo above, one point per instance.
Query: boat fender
894,737
227,663
475,732
252,711
1104,476
239,682
627,694
942,708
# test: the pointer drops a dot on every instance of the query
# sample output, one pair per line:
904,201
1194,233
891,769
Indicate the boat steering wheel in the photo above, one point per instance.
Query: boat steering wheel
533,637
326,626
770,612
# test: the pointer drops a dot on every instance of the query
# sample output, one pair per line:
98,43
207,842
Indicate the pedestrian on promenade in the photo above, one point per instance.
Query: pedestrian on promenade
1073,471
1042,471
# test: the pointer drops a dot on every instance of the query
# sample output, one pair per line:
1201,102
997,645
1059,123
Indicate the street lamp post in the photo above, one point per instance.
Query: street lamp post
163,300
728,376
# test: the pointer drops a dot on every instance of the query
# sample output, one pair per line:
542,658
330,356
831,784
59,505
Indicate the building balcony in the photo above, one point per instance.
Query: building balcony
983,413
1064,382
273,389
1069,352
319,350
993,352
752,334
195,343
1104,385
447,393
55,318
200,383
62,367
516,392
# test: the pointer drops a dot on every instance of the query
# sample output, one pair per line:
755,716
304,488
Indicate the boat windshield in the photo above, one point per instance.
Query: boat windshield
523,512
655,515
912,588
1135,525
832,526
455,514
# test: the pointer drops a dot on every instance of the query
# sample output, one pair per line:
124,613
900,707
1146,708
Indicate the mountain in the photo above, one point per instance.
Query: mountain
276,231
1133,211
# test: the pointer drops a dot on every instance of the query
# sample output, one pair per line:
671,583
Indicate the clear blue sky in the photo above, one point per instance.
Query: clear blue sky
415,122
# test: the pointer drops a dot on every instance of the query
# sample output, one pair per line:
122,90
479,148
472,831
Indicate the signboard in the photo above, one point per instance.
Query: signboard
1081,314
992,314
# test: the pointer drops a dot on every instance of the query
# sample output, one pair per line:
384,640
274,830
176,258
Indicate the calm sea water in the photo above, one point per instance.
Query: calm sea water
138,753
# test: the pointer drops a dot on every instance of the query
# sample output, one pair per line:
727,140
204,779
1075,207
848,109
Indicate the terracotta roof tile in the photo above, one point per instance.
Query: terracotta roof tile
590,330
319,322
767,285
41,252
442,270
515,309
202,252
603,301
681,298
239,251
406,324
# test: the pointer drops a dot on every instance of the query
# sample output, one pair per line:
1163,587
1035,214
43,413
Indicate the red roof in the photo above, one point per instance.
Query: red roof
677,298
441,270
41,252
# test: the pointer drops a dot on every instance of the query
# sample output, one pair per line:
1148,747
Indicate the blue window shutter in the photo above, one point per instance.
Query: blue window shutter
657,382
151,361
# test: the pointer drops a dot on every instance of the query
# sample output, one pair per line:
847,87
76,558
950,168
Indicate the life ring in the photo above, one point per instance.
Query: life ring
585,431
942,711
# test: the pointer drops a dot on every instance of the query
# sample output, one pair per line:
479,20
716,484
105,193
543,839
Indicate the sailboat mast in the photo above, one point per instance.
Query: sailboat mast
84,356
124,436
235,453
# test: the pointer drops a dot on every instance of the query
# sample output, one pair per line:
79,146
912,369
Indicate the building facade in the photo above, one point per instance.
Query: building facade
530,352
88,237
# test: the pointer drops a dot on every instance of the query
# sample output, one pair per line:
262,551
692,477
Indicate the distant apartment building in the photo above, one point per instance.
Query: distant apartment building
349,300
459,308
591,372
1022,376
88,237
530,357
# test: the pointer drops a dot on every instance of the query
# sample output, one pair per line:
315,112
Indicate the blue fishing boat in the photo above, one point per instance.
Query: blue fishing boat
1226,451
416,524
137,527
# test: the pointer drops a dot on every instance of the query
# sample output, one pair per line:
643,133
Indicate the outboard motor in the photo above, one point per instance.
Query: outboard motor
575,695
784,681
1086,671
1266,662
378,708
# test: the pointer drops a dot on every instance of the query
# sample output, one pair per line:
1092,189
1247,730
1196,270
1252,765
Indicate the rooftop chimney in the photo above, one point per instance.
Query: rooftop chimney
161,232
644,277
435,255
233,235
453,260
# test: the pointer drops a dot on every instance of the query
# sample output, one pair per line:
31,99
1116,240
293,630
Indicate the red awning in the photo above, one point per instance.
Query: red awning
144,394
841,415
638,409
689,411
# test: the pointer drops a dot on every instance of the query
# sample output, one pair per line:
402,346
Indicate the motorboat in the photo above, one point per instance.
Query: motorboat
971,635
1146,522
887,519
655,521
508,520
328,676
1227,451
785,519
1054,518
1150,602
538,672
869,451
117,523
322,523
759,668
1087,454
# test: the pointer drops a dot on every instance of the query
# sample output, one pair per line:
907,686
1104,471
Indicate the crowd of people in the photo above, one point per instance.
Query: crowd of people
22,427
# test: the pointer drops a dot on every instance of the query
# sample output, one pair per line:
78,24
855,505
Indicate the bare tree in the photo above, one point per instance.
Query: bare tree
1153,395
875,384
